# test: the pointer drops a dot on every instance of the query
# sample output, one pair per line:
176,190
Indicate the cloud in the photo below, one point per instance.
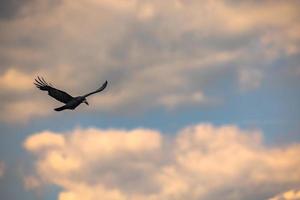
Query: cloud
22,110
250,79
199,162
31,183
15,80
155,54
44,140
2,169
288,195
10,8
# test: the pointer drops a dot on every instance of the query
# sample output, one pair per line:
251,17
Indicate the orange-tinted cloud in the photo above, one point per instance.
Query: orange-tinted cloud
288,195
199,162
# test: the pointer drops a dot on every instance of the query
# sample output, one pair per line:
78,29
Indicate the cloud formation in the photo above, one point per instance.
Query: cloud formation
199,162
155,53
288,195
2,169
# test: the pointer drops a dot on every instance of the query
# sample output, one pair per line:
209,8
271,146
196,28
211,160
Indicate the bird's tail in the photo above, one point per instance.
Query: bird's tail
60,108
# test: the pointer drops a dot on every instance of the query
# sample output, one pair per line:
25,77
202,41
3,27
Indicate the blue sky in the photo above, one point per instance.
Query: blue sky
187,75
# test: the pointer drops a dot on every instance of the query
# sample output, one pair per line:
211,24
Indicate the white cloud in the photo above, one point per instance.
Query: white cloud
154,53
200,162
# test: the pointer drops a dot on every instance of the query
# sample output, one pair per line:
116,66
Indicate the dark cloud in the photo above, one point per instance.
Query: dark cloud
10,8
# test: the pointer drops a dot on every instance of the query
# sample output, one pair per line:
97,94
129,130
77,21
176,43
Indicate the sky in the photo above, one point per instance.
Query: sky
202,100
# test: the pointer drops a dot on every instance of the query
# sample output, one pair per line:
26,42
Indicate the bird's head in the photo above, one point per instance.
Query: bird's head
85,101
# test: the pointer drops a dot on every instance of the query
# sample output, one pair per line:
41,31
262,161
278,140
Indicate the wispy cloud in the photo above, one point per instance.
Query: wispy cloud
200,162
2,169
155,54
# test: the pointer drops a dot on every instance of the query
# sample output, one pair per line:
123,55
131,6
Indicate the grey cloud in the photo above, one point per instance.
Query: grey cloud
163,51
10,8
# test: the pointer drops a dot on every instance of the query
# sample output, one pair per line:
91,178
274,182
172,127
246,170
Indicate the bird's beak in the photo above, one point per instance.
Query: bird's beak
87,103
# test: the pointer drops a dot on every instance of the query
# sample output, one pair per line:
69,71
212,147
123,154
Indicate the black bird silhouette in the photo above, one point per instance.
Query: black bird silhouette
69,101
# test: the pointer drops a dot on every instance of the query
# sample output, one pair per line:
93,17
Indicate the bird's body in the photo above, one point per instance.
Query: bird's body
70,102
71,105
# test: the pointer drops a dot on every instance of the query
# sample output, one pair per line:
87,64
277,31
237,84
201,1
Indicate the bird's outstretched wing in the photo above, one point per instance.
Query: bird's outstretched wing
98,90
53,92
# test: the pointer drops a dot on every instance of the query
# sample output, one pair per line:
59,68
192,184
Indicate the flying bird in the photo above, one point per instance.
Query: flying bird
70,102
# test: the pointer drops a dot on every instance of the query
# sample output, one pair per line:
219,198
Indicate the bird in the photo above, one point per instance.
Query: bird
70,102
